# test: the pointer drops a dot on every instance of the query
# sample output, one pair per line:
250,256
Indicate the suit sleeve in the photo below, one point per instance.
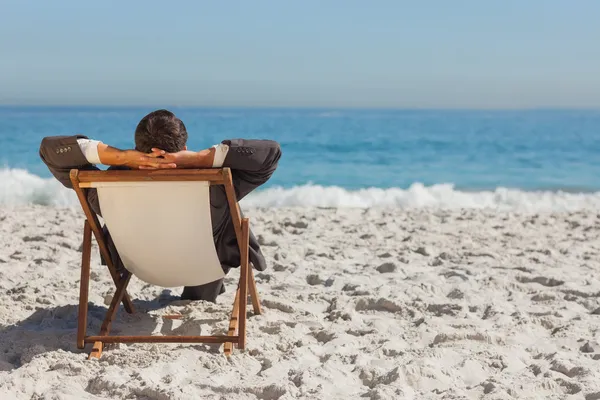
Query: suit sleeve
61,154
252,163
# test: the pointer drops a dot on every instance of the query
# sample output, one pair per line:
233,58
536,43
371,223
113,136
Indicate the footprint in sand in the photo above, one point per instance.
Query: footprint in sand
444,309
314,280
542,280
381,304
34,239
386,268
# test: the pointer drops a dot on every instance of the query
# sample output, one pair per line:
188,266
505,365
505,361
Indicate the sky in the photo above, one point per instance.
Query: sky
309,53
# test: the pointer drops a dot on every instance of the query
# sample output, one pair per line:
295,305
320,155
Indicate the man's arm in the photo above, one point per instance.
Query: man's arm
63,153
133,159
252,162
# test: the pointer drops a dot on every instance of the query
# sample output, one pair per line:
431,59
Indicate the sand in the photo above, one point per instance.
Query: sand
375,304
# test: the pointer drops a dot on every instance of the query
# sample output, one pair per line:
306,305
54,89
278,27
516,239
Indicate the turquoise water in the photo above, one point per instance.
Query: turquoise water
368,157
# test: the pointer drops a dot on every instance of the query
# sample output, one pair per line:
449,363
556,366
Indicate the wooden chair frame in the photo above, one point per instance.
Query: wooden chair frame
82,182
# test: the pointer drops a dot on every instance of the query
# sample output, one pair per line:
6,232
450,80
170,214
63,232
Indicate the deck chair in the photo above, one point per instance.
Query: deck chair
148,239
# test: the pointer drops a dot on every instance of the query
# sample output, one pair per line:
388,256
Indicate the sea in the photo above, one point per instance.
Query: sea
509,160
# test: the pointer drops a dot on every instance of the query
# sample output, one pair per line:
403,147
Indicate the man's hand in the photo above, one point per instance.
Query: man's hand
133,158
189,159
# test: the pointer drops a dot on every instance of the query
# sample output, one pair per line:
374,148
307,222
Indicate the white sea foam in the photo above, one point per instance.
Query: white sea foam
441,196
19,187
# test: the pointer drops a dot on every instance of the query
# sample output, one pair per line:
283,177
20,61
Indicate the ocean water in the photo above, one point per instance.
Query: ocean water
514,160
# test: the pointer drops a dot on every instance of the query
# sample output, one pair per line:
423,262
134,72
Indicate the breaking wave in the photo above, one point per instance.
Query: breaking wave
20,187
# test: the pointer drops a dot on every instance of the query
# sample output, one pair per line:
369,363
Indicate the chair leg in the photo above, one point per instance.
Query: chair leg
233,323
95,226
110,314
254,293
244,261
84,285
127,304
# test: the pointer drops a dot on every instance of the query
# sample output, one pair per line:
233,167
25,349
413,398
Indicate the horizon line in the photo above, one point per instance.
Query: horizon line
320,107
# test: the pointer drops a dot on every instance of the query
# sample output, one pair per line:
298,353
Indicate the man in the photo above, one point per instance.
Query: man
160,142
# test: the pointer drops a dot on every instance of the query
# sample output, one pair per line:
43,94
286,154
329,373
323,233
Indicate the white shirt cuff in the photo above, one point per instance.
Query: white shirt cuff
89,148
220,154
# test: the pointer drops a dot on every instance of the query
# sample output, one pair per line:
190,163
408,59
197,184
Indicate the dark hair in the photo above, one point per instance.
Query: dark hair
161,129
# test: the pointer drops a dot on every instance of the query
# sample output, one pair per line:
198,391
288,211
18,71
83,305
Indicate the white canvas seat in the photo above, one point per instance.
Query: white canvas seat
162,230
160,223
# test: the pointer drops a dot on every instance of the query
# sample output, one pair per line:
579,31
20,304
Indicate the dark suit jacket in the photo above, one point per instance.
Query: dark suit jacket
252,163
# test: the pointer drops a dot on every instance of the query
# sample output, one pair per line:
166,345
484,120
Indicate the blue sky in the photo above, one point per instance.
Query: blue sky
327,53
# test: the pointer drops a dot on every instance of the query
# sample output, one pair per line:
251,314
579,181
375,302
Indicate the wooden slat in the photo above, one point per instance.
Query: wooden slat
211,175
96,350
233,323
84,284
254,293
234,208
244,261
95,225
87,185
110,315
162,339
114,304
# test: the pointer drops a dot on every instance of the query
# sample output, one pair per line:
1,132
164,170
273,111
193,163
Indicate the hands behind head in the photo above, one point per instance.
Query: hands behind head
182,159
160,159
153,160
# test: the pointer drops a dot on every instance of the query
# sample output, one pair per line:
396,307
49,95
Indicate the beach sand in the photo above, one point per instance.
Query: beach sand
375,304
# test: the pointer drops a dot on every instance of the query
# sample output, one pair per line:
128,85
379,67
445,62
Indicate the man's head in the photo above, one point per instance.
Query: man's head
160,129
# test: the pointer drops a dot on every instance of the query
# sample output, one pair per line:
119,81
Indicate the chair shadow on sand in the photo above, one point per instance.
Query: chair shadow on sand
55,328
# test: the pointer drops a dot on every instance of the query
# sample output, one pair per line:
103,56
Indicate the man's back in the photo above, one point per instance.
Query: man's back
252,163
